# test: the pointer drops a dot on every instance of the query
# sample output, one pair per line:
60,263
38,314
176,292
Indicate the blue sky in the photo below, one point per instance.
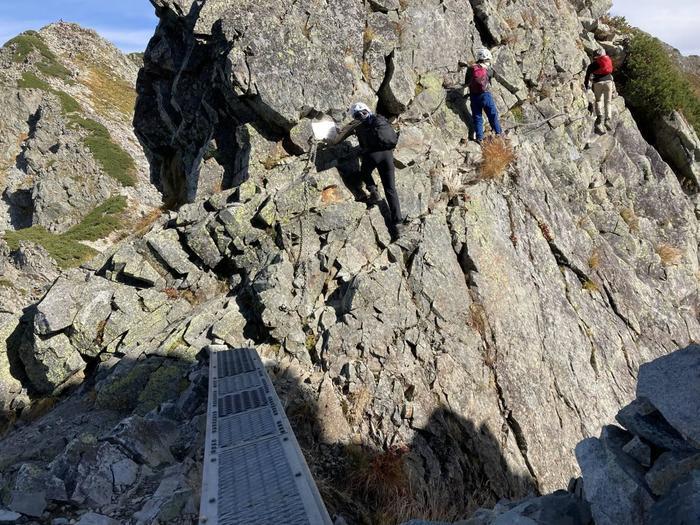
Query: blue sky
130,23
676,22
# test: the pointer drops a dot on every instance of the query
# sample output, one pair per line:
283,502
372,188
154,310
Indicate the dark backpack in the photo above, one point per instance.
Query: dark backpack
383,134
605,66
479,82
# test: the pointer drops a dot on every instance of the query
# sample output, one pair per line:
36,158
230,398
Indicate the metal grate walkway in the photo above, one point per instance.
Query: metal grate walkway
254,471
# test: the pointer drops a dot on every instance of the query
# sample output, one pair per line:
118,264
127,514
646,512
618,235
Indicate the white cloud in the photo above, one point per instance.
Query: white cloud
127,40
675,22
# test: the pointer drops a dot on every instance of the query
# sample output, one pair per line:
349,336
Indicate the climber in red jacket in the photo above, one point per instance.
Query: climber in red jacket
600,71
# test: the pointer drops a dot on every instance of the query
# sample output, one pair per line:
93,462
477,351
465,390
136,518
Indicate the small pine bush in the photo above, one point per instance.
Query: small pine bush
112,158
654,85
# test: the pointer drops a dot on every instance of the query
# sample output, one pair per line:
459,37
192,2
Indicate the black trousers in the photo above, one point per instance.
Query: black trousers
384,162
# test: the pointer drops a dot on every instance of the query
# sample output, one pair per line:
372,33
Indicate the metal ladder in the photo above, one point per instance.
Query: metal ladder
254,471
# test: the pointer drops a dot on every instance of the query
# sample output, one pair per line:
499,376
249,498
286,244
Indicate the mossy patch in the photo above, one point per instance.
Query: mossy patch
30,41
30,81
68,103
66,248
165,383
100,222
122,391
112,158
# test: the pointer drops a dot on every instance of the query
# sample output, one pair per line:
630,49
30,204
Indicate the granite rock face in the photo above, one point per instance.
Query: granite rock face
508,323
573,232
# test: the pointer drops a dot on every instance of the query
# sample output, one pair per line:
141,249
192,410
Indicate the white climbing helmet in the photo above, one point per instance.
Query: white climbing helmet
483,54
599,52
360,111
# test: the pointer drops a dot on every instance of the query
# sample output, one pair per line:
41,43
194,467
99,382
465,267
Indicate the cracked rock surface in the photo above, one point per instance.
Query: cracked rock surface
507,324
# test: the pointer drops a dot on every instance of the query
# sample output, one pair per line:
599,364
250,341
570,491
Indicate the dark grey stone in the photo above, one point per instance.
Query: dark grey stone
669,468
681,506
639,451
672,384
614,483
642,419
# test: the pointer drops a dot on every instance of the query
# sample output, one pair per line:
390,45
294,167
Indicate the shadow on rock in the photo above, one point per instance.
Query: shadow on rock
446,472
458,104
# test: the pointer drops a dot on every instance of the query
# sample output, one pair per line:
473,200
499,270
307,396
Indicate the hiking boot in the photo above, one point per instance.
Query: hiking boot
399,229
374,197
599,126
608,125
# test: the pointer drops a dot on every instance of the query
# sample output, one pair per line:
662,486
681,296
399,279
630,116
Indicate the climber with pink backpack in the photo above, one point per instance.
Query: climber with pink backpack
600,70
478,80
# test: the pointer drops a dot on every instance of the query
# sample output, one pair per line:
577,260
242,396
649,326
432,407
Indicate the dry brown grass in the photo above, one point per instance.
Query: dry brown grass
110,93
670,255
498,156
478,319
275,157
382,481
366,71
147,220
594,260
590,286
368,36
453,183
630,218
379,478
331,195
357,404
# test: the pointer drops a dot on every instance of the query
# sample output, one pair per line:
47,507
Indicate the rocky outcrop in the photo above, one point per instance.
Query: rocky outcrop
680,145
507,324
574,234
620,485
53,174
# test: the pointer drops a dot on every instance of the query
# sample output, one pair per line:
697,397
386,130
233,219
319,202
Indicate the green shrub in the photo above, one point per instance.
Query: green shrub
100,222
68,103
30,81
23,45
114,160
66,252
66,248
653,84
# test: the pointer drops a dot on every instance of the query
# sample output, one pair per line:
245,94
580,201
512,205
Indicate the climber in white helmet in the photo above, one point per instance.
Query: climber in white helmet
377,140
478,79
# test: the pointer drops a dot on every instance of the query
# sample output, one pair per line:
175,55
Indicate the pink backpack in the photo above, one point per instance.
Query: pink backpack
480,79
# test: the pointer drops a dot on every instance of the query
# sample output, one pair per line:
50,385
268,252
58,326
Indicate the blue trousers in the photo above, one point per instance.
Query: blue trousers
480,103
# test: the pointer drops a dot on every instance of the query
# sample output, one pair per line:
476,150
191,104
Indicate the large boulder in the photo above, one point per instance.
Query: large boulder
672,384
614,483
679,144
681,505
50,362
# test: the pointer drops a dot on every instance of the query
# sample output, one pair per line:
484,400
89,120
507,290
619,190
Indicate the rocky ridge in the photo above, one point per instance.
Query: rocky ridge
508,324
66,146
